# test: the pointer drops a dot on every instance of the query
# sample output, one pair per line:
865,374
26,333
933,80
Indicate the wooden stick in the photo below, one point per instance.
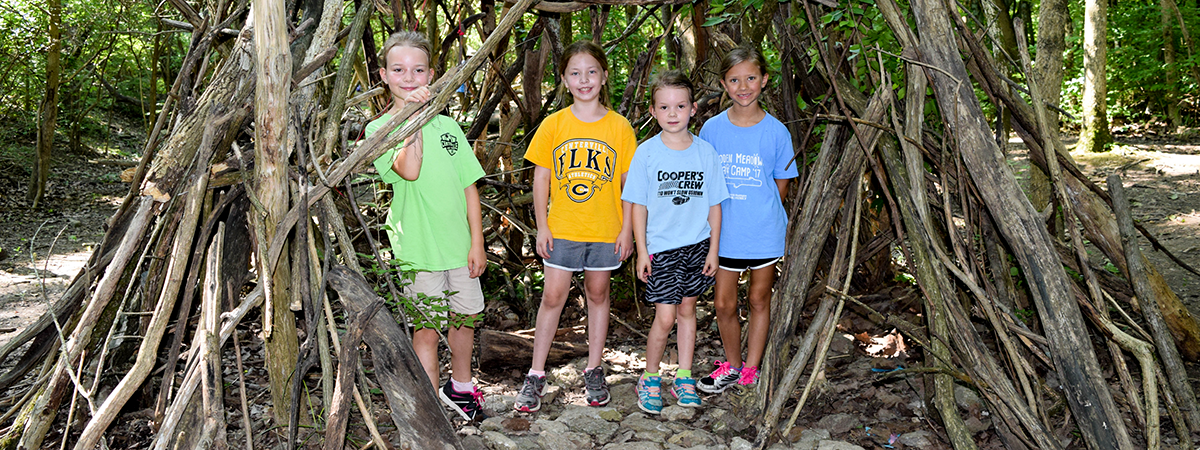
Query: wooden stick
1163,341
335,430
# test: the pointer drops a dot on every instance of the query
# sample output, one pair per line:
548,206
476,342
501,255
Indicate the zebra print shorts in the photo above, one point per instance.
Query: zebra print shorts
678,273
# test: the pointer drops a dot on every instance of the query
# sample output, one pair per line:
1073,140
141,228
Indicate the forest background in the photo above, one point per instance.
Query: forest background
90,83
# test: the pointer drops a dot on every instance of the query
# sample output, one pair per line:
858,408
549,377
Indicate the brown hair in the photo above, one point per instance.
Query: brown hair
405,39
591,49
671,79
740,55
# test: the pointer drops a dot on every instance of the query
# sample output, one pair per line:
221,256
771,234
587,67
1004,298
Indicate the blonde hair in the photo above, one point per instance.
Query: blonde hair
740,55
671,79
406,39
591,49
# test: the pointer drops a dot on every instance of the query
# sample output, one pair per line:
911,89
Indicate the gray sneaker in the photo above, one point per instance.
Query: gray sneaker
597,388
529,399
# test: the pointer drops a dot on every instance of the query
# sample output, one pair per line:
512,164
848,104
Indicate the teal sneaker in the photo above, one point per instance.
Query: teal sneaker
685,393
649,394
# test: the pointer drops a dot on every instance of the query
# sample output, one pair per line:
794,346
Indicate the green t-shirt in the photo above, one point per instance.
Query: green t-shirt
428,217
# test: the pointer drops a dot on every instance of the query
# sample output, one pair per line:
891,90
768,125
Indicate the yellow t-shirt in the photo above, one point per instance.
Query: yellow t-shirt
586,162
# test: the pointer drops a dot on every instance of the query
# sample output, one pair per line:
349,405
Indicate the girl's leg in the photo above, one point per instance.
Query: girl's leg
462,342
656,342
761,281
557,284
425,344
685,322
726,301
595,285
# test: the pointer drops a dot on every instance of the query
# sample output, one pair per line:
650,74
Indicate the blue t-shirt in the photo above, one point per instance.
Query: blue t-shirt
677,187
753,221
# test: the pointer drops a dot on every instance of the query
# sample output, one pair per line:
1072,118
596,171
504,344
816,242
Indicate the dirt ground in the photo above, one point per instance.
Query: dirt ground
42,250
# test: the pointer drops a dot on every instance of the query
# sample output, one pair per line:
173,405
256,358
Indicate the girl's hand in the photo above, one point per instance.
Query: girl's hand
476,261
643,267
624,245
545,242
419,95
710,264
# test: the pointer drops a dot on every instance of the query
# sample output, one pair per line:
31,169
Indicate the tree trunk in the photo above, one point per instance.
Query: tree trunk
1053,18
1172,95
48,110
1095,136
1091,403
271,155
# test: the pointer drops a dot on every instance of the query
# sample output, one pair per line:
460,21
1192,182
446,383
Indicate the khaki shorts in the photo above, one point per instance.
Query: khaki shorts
466,297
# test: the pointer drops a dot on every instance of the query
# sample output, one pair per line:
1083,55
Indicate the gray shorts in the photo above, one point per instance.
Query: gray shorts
576,256
466,297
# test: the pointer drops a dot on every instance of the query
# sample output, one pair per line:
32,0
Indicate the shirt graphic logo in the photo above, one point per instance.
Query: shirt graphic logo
742,170
680,185
584,166
449,143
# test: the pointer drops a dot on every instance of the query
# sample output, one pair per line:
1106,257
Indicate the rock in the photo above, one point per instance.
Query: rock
839,423
645,428
639,445
841,344
624,398
552,392
967,399
692,438
499,402
610,414
495,423
676,413
468,431
498,441
976,426
810,438
514,424
567,376
724,423
528,443
779,446
474,442
918,439
587,420
550,440
837,445
738,443
550,426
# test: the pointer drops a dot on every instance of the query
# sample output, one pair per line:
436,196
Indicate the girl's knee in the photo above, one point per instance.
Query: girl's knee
726,308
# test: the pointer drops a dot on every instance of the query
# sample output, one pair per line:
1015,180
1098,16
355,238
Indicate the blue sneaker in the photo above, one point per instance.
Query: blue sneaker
649,394
685,393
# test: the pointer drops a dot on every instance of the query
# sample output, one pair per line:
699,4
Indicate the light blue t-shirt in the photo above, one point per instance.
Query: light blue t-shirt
753,221
677,187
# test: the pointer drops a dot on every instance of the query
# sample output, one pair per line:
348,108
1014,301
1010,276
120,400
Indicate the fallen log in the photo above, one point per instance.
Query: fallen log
420,422
502,350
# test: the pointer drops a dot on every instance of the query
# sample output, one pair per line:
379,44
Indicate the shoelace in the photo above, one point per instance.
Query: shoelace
656,390
594,379
478,396
688,388
530,389
723,368
749,375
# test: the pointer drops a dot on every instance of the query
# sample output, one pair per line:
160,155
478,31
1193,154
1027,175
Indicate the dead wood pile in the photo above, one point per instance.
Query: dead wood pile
203,240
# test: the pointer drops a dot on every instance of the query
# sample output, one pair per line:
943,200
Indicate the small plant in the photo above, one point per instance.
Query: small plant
437,313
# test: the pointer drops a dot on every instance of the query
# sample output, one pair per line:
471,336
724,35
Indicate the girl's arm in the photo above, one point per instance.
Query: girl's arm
408,159
714,240
625,239
541,202
782,183
638,213
477,256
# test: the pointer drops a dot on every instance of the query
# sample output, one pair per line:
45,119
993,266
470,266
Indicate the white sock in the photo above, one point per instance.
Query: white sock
462,386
